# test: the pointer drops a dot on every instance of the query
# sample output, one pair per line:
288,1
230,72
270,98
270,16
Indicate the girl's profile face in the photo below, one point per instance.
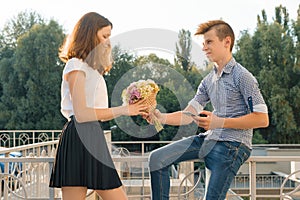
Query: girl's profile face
104,48
103,34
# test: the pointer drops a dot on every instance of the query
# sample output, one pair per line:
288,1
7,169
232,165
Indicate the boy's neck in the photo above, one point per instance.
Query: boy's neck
221,63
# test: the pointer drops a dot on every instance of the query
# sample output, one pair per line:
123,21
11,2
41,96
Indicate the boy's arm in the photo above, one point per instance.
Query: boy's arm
176,118
252,120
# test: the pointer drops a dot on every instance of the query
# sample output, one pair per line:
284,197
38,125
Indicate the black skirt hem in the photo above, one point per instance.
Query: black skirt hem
83,159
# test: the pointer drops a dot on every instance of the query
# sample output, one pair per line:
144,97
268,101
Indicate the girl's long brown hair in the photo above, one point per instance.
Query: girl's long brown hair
83,42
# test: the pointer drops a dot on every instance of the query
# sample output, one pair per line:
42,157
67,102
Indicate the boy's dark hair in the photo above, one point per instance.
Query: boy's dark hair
222,30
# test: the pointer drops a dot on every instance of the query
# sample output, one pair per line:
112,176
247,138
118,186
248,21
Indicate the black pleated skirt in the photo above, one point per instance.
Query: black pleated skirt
83,158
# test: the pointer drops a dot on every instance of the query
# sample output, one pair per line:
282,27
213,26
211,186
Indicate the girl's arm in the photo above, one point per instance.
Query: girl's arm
76,80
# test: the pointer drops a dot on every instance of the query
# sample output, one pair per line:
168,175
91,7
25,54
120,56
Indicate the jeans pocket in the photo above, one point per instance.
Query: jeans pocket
245,152
242,155
232,148
237,151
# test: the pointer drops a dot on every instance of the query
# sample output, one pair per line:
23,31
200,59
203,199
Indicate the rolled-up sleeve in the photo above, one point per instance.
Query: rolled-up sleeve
201,98
249,88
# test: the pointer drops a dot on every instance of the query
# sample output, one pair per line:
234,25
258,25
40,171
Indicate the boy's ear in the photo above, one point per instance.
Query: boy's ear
227,41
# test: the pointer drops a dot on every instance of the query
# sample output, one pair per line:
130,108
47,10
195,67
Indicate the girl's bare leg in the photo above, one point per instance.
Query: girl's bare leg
74,193
113,194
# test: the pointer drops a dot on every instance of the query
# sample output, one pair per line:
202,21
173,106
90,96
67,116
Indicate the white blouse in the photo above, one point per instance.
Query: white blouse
95,88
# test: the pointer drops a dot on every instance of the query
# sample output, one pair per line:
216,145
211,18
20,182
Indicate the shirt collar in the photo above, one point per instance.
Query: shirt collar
228,67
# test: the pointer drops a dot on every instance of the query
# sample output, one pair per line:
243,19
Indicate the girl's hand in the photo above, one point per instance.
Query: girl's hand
138,108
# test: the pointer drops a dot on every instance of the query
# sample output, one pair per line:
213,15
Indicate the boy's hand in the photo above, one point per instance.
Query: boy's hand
210,121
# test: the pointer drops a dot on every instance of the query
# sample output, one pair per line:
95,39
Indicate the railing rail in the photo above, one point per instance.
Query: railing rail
143,159
13,138
38,156
253,160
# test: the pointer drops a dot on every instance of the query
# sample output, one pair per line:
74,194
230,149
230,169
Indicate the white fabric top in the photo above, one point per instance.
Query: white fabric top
95,88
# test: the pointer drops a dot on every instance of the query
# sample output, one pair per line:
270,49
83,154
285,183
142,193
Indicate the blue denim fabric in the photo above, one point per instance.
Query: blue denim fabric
223,160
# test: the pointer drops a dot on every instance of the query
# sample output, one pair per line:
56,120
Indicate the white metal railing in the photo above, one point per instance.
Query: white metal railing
34,178
285,194
144,181
39,157
13,138
31,171
253,160
262,181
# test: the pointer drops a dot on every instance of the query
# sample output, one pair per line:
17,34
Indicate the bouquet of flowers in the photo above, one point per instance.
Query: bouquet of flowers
143,89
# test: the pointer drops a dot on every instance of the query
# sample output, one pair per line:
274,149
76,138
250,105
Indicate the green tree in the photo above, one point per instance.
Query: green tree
15,28
183,50
31,77
12,30
258,139
270,54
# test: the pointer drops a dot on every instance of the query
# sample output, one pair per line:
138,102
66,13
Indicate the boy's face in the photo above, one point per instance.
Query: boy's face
214,48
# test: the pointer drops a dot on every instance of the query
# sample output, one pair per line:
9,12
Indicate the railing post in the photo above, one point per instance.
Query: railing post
6,180
143,148
14,139
33,137
252,171
51,190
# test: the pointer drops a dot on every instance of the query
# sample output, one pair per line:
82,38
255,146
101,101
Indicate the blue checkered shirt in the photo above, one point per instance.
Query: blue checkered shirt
232,93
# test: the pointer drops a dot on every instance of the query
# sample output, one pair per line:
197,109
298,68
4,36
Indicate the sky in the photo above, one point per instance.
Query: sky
160,16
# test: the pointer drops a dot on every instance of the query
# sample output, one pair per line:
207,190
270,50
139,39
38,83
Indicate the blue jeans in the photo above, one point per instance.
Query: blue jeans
222,158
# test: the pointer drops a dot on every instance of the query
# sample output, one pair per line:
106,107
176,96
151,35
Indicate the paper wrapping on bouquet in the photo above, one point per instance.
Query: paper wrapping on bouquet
151,101
143,90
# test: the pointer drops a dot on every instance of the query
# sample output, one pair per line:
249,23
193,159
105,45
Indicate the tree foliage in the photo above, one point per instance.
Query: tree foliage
31,76
183,50
271,55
